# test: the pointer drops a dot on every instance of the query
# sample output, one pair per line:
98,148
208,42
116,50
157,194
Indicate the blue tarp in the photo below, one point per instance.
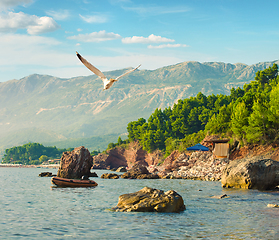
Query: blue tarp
198,147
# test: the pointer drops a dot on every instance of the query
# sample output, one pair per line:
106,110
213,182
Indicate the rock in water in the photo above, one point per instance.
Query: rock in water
139,171
121,169
256,173
92,174
150,200
110,176
75,164
220,196
46,174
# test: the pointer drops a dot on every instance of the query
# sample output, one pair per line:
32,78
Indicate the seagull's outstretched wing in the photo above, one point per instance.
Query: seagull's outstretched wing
91,67
128,72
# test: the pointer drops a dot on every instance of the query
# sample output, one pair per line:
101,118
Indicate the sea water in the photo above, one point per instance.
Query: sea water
32,208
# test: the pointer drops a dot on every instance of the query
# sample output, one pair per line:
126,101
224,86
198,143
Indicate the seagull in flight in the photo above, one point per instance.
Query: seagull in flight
107,83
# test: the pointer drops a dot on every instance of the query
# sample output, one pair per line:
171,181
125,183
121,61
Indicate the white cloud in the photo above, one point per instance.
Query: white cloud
12,3
168,46
94,18
150,39
43,25
59,15
96,36
11,22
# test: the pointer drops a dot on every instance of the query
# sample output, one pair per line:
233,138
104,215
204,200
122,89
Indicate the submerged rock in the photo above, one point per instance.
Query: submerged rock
75,164
150,200
256,173
220,196
110,176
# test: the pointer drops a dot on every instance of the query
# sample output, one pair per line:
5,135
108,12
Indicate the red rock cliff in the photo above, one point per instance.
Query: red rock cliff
127,157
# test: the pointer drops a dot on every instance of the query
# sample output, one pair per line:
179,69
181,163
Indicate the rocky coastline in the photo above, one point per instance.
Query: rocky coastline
257,170
196,165
199,165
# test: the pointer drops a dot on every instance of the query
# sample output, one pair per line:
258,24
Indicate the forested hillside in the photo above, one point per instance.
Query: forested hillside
249,114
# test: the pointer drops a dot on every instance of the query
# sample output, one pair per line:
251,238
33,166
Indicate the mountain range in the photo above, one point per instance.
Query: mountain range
76,111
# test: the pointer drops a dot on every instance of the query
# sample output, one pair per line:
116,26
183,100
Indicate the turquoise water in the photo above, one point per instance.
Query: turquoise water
32,209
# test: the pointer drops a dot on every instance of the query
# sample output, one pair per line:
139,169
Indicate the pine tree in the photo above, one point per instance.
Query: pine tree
239,120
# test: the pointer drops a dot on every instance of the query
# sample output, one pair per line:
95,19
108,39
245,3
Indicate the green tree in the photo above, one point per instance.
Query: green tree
274,112
119,141
236,93
193,122
239,120
263,77
148,141
211,101
95,152
134,129
171,145
111,145
257,130
219,123
205,115
43,158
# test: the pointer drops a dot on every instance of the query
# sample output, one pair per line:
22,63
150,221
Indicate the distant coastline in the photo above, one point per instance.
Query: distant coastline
30,166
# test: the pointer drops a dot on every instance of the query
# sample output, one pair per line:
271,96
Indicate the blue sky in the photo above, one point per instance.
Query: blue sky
39,36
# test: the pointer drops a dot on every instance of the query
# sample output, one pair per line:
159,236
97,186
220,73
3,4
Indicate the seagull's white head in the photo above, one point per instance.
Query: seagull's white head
108,83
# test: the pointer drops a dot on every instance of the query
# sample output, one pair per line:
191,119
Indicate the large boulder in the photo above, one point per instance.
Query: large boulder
150,200
255,172
139,171
75,164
